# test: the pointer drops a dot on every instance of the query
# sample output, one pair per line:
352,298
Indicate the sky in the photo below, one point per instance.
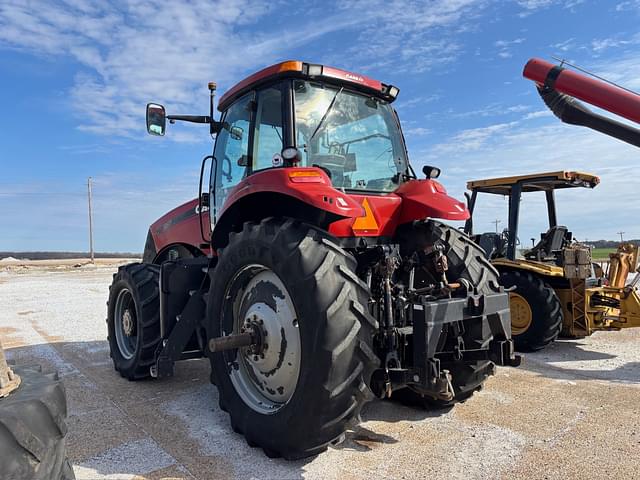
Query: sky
75,76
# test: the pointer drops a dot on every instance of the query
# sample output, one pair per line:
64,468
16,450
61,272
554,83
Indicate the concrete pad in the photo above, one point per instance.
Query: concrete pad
571,411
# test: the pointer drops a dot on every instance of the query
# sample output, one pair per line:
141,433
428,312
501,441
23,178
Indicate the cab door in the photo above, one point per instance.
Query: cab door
251,140
231,152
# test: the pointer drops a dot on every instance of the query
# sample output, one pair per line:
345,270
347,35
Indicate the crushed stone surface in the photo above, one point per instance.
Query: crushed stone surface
570,411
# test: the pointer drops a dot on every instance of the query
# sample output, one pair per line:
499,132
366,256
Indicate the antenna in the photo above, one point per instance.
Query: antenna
212,93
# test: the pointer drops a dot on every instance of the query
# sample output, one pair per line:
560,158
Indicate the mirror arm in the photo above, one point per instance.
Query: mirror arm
216,126
189,118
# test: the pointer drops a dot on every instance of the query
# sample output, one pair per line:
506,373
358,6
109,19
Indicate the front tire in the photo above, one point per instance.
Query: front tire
536,312
133,319
300,287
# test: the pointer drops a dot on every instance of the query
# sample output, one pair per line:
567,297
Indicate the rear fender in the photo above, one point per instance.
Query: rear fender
179,227
428,199
279,192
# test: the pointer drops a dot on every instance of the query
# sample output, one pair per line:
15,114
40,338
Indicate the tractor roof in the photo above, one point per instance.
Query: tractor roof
536,182
296,68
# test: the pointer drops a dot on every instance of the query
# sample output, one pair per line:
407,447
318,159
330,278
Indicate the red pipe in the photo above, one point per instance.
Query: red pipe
591,90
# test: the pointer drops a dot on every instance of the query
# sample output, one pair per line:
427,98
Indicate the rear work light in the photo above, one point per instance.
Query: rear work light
306,176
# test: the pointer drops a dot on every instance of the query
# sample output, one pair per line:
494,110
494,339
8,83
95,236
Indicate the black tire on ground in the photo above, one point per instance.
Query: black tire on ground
33,429
545,306
335,330
136,287
466,260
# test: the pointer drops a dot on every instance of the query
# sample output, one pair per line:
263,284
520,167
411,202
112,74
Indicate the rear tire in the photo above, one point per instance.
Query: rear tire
33,429
544,306
300,270
133,319
466,260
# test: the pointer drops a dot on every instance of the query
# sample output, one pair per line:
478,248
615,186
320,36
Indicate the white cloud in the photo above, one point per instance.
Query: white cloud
531,6
471,139
507,43
417,131
564,46
133,52
504,46
538,114
416,101
624,70
492,110
599,45
628,5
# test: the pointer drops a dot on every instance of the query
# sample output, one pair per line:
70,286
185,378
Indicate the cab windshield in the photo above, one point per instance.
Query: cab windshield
352,137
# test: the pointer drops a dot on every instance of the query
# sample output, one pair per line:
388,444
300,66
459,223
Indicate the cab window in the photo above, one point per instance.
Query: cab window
267,140
232,149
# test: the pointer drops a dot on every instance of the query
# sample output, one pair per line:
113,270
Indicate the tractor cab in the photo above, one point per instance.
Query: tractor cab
322,143
552,242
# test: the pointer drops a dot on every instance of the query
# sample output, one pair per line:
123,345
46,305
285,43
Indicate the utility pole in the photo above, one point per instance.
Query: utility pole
621,233
496,222
90,221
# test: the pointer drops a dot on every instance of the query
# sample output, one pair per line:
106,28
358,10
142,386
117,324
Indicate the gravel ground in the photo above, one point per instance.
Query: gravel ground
572,411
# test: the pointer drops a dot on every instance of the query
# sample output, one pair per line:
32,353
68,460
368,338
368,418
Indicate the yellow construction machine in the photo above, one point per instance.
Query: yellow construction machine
556,289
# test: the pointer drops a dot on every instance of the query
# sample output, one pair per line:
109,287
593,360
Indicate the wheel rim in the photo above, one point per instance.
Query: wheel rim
265,376
521,315
126,324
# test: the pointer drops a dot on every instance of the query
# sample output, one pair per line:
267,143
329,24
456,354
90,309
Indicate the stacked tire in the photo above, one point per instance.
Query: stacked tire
33,429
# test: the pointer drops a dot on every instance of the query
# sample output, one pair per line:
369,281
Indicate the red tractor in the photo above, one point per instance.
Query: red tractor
312,272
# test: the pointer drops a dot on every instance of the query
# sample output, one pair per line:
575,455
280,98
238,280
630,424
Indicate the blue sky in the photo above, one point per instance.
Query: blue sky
75,76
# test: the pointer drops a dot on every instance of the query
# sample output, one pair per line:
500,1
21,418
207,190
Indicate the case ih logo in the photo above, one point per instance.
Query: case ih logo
351,76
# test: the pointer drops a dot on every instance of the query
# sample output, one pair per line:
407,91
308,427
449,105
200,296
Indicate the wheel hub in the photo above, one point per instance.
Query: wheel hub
521,314
127,323
265,374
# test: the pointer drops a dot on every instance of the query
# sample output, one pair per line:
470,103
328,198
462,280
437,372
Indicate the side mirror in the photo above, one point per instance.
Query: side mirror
431,172
156,119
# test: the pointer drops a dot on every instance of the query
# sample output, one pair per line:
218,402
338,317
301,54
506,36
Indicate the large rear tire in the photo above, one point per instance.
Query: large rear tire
467,261
299,395
133,319
536,312
33,429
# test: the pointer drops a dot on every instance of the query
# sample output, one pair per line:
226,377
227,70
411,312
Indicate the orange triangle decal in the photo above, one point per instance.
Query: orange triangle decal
368,221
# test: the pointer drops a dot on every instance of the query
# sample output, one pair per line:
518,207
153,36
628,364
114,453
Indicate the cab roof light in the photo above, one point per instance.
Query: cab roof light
391,91
313,70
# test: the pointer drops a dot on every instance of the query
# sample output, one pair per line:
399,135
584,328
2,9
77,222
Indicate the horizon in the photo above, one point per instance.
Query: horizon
76,77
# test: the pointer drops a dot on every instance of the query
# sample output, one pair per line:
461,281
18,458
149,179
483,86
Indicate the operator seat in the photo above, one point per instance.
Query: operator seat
552,241
493,244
